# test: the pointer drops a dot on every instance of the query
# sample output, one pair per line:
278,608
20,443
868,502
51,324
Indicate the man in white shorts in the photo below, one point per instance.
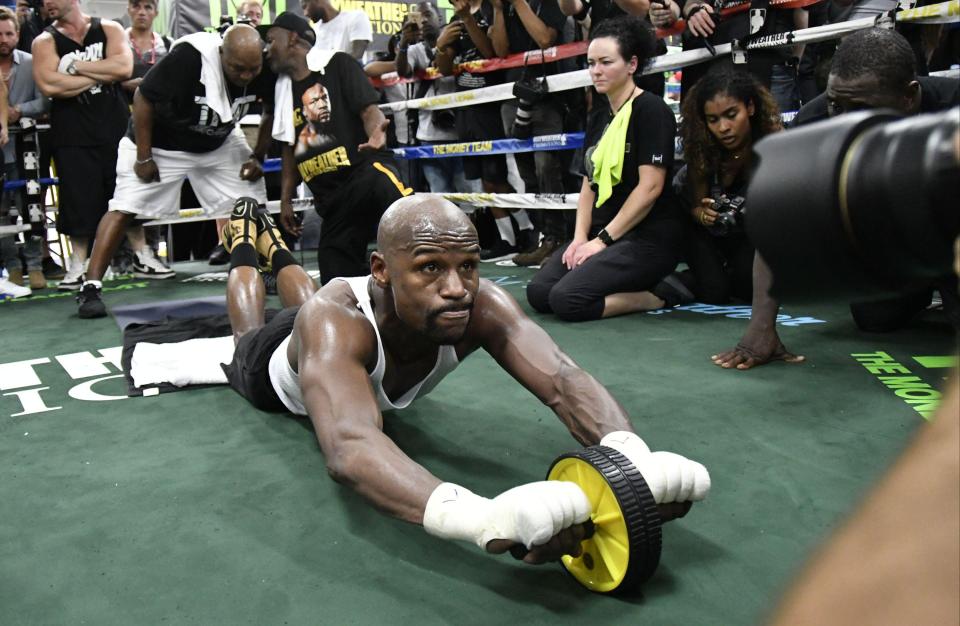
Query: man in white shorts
184,128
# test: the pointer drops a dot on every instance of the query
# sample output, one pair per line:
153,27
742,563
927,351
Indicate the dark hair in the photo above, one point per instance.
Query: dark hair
879,52
701,150
633,36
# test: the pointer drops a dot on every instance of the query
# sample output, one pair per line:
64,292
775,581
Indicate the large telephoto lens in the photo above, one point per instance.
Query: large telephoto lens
863,204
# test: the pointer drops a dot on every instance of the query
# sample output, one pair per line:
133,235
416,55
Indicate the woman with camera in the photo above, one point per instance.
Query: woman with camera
628,231
726,112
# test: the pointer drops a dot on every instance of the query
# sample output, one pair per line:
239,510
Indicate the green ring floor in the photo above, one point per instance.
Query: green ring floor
194,508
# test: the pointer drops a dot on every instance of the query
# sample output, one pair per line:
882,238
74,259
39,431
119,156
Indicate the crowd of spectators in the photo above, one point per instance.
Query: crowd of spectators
620,250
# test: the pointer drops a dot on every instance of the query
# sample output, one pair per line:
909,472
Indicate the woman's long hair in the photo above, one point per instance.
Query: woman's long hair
702,152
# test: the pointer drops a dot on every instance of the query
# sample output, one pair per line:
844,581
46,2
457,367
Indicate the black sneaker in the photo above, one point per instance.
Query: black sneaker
673,291
500,250
90,305
219,256
528,239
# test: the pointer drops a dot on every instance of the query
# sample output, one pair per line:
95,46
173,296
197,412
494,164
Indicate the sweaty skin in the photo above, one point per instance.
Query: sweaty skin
426,291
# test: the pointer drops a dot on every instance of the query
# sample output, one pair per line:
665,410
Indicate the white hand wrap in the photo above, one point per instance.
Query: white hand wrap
529,514
66,60
670,477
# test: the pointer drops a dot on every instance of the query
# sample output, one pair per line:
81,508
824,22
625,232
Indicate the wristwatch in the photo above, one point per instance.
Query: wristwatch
605,237
72,68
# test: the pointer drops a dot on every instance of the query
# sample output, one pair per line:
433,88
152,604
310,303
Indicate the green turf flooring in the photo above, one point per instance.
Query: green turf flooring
194,508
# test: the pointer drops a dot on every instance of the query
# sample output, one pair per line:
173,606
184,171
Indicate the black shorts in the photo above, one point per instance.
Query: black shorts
249,371
482,123
88,176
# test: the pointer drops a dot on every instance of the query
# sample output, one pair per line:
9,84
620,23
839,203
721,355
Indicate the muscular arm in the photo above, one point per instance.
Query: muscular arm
376,69
334,346
542,34
529,354
570,7
498,31
263,132
640,201
52,83
143,126
634,7
357,48
372,118
117,63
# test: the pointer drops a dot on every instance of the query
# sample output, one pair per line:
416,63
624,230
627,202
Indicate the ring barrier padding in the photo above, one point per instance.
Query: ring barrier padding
562,141
622,548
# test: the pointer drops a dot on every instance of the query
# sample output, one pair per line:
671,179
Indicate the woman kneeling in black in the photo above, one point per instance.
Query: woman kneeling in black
628,229
725,114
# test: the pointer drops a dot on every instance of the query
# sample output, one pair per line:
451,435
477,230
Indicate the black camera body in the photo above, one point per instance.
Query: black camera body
730,211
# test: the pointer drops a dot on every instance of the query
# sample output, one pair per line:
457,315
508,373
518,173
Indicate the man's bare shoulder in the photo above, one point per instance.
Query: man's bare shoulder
331,320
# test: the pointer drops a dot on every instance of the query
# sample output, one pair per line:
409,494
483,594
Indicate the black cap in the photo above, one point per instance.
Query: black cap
292,22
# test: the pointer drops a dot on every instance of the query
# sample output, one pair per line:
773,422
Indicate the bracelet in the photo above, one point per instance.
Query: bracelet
146,160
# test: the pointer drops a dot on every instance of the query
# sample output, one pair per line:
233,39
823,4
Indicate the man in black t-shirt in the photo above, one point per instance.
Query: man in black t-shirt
334,143
872,69
184,127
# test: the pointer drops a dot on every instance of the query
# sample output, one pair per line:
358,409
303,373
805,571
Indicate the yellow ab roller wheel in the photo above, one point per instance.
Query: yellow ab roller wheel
622,549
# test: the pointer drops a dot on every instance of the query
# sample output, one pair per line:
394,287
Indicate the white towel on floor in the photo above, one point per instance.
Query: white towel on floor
283,126
211,72
190,362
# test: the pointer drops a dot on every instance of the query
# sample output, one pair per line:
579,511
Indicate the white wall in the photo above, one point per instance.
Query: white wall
112,9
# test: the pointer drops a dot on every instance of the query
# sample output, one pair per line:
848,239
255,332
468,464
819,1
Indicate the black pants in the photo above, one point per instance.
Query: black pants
88,176
721,266
890,314
351,215
634,263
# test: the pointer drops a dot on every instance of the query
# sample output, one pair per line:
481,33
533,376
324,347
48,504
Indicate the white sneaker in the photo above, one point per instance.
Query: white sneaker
147,265
12,290
73,279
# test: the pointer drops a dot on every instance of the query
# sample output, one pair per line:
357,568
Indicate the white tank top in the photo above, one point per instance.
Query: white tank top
286,382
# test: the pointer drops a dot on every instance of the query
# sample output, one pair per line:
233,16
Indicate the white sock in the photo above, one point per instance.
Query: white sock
95,283
78,256
523,220
506,230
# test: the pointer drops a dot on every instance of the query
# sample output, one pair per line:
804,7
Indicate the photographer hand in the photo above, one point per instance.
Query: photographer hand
700,21
449,34
664,15
410,33
461,8
704,214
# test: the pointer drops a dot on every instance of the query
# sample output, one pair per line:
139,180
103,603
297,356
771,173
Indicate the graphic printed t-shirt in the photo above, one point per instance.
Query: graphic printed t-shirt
181,118
327,122
650,141
466,51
